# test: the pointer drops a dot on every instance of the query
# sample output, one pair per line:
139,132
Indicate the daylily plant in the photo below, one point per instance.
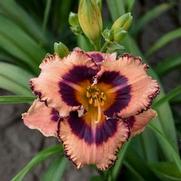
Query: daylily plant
92,102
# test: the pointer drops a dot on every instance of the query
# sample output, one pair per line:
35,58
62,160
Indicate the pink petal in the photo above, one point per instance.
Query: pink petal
99,57
140,121
142,87
83,146
47,87
42,118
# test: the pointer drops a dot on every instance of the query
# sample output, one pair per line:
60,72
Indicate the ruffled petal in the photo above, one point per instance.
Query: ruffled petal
137,123
57,82
132,88
40,117
99,57
92,143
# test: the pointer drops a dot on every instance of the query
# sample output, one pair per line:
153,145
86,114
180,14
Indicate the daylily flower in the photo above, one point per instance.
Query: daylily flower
93,102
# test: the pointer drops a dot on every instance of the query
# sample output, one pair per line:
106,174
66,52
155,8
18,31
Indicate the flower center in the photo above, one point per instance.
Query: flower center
95,96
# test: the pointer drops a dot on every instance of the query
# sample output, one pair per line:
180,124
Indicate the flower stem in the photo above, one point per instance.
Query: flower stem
104,47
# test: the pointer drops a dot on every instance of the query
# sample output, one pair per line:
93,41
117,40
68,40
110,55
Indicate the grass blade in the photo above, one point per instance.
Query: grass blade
46,14
11,48
172,94
137,175
129,5
16,74
55,170
15,33
116,8
168,65
168,145
16,99
14,12
164,121
19,44
164,40
117,167
151,15
166,171
176,100
139,164
40,157
14,79
14,87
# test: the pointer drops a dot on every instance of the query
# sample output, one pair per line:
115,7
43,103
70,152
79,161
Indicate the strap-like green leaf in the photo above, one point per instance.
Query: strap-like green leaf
150,15
135,174
166,171
16,99
8,84
173,93
176,100
40,157
16,74
117,167
116,8
14,12
19,44
169,64
55,170
129,5
164,121
164,40
14,79
138,164
46,13
168,146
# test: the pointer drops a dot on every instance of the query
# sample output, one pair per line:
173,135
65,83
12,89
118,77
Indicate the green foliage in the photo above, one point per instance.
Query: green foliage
172,94
41,156
24,41
55,170
151,15
166,171
16,99
61,49
171,63
164,40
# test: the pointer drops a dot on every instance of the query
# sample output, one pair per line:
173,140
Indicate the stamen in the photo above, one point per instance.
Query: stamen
95,96
88,94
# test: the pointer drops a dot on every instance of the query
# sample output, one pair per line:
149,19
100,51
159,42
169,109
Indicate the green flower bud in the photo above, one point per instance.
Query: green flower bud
90,19
73,19
123,22
60,49
120,26
107,35
99,3
74,23
119,35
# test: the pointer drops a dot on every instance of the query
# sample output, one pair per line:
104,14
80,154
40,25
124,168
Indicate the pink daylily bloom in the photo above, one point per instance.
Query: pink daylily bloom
93,102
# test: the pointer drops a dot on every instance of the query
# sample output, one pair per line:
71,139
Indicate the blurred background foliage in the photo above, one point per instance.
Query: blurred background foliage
28,30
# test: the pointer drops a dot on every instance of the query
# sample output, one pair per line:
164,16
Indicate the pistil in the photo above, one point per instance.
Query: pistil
96,98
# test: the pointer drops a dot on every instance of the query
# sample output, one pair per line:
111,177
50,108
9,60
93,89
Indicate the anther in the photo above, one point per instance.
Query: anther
95,96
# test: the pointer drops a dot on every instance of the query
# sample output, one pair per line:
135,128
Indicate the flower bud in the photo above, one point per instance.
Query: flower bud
73,19
119,35
107,35
74,23
99,3
120,26
123,22
90,19
60,49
